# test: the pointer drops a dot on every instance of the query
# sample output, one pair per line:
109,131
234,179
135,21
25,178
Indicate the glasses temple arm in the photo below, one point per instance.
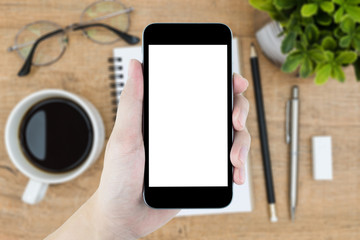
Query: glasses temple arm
126,37
127,10
18,46
25,70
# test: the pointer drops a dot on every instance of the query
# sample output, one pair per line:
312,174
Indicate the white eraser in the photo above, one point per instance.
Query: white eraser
322,158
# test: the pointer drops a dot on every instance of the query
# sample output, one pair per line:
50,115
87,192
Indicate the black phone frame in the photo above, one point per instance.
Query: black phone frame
187,33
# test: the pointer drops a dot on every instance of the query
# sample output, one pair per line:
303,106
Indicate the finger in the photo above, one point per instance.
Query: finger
128,122
240,148
239,175
239,153
240,112
240,84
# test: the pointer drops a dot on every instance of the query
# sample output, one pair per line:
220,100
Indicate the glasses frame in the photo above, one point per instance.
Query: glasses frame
101,18
17,46
26,68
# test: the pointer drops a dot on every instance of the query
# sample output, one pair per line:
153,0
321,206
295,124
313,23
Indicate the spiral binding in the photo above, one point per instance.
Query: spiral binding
117,82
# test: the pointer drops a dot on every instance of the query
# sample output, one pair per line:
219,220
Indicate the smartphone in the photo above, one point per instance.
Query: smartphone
187,125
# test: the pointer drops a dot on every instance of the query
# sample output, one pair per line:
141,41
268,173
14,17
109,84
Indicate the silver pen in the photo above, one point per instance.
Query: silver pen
292,135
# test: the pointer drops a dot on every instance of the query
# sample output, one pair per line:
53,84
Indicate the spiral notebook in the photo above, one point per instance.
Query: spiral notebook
242,195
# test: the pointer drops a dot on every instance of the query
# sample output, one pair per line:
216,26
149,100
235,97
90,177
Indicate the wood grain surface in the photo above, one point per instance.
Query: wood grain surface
326,210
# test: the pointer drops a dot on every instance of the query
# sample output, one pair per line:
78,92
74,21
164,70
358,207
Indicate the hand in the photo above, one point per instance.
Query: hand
117,210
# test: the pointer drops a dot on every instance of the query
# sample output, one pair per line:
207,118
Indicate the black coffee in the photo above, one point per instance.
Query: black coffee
56,135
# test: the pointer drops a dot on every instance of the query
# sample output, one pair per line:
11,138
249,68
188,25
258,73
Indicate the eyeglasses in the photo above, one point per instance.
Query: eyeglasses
43,42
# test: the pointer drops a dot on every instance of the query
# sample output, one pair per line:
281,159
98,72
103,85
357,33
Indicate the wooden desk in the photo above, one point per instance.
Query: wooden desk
326,210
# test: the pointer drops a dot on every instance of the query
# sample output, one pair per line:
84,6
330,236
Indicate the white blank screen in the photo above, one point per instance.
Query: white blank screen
188,115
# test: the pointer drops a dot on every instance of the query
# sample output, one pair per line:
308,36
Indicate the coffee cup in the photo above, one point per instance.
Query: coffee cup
52,136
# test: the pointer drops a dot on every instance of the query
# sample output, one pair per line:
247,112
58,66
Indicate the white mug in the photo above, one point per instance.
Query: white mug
40,179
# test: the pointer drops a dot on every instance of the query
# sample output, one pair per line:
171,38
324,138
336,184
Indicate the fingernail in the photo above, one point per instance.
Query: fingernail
238,75
244,151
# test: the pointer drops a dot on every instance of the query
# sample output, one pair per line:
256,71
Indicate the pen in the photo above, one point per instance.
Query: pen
263,133
292,134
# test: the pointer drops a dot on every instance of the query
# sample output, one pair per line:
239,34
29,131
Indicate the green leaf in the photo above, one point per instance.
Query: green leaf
356,65
316,46
312,32
345,41
323,74
338,14
264,5
323,19
304,41
353,11
293,22
338,33
339,2
338,73
306,68
347,25
356,42
306,21
297,29
346,57
267,6
328,43
292,61
329,55
325,33
289,42
327,7
284,4
309,9
278,16
317,55
353,1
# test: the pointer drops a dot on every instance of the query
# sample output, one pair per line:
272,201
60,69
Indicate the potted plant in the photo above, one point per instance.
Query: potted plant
320,36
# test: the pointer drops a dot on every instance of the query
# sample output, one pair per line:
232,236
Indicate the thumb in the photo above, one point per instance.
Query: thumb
128,124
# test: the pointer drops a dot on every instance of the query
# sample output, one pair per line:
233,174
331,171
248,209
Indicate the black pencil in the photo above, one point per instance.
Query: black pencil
263,133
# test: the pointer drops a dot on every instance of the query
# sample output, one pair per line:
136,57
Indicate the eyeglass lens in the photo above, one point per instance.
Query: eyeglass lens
99,10
47,51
